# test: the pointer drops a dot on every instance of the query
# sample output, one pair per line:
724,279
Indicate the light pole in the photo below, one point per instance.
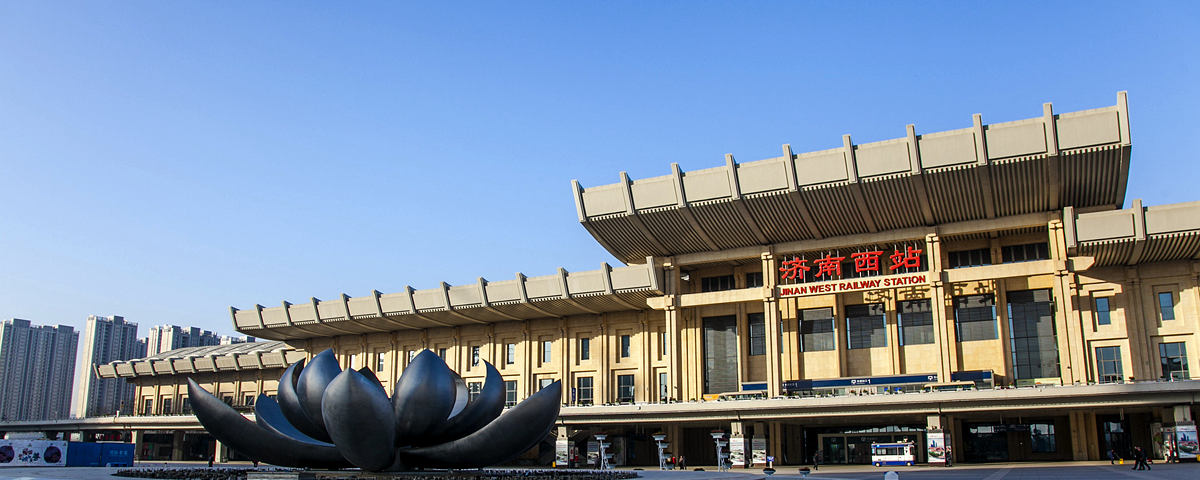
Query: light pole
603,450
719,439
660,440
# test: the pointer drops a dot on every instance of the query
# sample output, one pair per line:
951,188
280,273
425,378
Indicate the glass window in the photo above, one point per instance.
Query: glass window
969,258
624,346
166,406
758,334
510,393
1166,305
716,284
1025,253
584,390
865,326
228,399
545,382
1108,365
585,348
412,354
1174,361
248,401
662,387
473,389
186,406
474,355
379,361
1102,313
148,406
916,322
662,344
816,330
975,317
754,279
1041,437
510,353
1034,339
624,388
442,353
547,350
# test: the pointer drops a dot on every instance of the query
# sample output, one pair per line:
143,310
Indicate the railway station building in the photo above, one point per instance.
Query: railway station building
990,286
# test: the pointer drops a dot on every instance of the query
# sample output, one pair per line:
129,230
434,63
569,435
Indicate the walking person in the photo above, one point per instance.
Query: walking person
1139,457
817,458
1112,457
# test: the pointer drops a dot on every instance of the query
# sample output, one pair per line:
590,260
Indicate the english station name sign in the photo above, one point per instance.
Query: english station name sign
824,276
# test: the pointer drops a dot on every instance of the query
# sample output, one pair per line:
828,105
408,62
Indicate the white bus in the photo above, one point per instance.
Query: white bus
892,454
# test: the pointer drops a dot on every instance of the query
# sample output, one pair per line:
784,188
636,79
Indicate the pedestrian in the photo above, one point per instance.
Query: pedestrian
949,456
817,458
1139,457
1112,456
682,463
210,461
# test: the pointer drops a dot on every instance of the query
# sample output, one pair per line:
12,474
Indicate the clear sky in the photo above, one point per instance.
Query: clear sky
166,160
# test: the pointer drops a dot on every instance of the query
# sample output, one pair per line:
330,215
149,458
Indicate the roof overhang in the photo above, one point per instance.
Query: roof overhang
1135,235
1039,164
608,289
186,361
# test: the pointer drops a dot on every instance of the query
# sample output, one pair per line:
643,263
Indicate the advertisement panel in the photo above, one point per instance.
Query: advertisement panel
737,451
593,453
33,453
935,447
1185,442
758,450
562,457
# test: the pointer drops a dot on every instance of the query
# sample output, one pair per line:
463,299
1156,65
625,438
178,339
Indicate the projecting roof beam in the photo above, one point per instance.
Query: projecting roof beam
581,210
287,318
627,192
918,177
317,315
1123,124
735,191
860,199
983,171
487,305
525,296
681,201
1139,233
1053,162
412,307
450,306
566,292
375,294
606,274
789,166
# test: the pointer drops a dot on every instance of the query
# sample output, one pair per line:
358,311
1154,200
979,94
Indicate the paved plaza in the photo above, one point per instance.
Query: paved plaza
1023,471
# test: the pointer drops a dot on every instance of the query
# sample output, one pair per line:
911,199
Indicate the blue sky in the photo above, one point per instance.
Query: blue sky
165,160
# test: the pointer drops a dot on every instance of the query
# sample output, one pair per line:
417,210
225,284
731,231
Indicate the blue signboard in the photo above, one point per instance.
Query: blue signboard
803,385
971,376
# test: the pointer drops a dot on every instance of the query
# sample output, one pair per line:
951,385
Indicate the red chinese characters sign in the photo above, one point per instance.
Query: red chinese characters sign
866,269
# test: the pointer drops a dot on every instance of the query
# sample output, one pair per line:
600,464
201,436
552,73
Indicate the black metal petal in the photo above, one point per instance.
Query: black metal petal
268,415
477,414
359,418
502,440
289,403
321,370
366,372
231,428
461,395
423,398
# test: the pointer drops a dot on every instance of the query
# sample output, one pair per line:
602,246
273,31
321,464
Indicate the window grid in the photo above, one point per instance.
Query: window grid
583,390
624,346
474,355
1025,253
865,326
969,258
754,279
758,334
916,322
1174,360
975,317
625,388
1103,317
547,350
816,330
716,284
585,349
1166,305
510,353
1108,365
510,393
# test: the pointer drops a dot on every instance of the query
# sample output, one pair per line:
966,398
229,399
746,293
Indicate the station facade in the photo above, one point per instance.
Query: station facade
982,286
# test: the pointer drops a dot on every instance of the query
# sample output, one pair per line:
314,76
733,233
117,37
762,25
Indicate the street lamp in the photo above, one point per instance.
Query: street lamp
604,455
660,440
719,439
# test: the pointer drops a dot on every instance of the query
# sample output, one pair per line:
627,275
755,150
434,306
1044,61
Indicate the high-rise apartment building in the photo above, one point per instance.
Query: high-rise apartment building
106,339
36,366
232,339
165,338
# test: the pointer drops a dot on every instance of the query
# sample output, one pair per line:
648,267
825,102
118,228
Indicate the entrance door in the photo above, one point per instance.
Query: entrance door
720,354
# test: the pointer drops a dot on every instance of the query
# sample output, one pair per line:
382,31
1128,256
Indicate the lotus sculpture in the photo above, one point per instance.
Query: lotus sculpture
327,417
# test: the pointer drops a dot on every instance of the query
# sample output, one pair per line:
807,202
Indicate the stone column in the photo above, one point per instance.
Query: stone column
139,442
771,318
177,445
